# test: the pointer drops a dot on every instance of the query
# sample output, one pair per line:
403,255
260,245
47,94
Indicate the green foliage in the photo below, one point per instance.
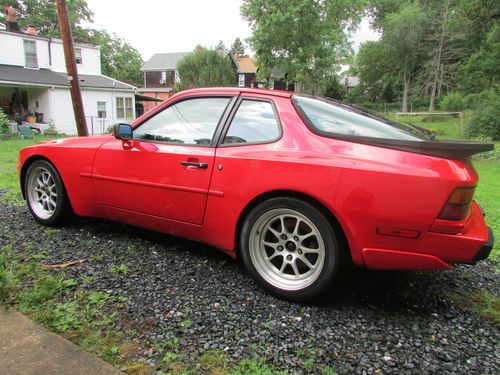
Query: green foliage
4,126
43,15
44,289
238,48
454,101
119,269
432,48
221,46
485,119
493,155
256,366
334,89
8,279
484,303
119,59
205,68
377,73
305,39
60,317
481,70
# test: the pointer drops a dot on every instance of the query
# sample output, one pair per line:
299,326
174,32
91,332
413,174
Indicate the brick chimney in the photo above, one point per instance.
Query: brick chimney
31,30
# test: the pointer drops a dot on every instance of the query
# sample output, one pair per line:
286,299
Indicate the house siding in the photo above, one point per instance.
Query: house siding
12,50
91,59
62,113
12,53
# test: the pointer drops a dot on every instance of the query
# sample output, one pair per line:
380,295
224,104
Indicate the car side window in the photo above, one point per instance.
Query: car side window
254,122
189,122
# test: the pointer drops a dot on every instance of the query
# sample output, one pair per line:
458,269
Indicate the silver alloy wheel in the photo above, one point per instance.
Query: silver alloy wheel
287,249
42,192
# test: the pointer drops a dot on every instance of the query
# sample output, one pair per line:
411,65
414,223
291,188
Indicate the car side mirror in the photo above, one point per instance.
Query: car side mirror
123,131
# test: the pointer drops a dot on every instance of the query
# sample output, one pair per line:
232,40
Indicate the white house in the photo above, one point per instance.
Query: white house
33,79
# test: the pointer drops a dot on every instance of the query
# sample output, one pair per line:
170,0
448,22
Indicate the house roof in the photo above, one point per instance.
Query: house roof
246,65
243,64
24,35
162,61
18,74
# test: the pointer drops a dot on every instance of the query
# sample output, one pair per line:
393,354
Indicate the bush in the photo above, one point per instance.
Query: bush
485,120
4,126
454,101
474,101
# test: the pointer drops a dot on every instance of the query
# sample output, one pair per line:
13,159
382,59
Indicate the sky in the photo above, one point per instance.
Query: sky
156,26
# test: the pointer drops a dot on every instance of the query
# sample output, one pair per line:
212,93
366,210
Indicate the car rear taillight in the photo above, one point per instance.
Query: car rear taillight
458,205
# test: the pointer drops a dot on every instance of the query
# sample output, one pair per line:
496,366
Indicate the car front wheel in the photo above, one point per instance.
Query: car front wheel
290,248
45,194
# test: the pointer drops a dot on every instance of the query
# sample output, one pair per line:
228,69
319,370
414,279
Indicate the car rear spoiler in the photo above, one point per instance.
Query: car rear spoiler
457,150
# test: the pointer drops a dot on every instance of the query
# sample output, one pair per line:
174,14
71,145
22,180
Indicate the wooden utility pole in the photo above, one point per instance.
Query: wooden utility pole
69,56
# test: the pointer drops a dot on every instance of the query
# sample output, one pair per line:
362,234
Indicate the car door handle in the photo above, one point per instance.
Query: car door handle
194,164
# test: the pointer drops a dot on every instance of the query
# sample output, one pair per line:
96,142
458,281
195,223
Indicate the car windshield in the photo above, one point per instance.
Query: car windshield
330,118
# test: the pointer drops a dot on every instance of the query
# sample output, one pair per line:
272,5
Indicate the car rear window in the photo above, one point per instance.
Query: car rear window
330,118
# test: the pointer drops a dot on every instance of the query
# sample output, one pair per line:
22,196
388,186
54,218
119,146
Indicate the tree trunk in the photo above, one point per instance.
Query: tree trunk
406,89
439,53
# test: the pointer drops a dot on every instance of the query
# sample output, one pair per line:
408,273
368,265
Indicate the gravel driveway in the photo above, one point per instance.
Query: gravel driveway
371,323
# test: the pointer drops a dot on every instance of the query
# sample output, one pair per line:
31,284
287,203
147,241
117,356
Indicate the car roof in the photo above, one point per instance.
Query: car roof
236,90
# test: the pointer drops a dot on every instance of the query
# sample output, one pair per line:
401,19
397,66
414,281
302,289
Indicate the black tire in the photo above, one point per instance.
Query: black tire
48,214
274,219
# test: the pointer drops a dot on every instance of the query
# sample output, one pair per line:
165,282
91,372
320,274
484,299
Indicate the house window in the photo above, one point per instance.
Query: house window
124,108
241,80
101,109
30,54
78,56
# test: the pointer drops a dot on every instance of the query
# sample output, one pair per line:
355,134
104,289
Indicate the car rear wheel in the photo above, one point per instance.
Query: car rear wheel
45,194
290,248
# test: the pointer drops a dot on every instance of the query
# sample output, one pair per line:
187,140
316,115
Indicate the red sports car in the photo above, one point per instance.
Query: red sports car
297,186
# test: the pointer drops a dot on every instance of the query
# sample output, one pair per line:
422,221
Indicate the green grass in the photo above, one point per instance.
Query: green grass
445,127
9,149
488,196
484,303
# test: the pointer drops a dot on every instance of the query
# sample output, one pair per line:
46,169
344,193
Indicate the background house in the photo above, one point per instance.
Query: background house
33,80
160,76
246,70
350,82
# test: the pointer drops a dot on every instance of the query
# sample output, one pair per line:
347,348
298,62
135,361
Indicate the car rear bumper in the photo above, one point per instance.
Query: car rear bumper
438,250
485,249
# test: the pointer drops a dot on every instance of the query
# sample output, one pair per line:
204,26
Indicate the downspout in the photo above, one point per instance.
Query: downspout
50,52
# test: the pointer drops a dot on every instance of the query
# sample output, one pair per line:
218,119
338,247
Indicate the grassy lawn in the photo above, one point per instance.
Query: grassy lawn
488,196
445,127
9,150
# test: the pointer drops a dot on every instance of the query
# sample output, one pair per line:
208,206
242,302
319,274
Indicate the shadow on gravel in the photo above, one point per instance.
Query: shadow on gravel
388,292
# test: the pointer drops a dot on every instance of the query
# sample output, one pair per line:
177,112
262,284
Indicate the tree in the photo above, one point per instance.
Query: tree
305,39
119,59
205,68
376,71
238,48
221,46
402,35
481,70
43,15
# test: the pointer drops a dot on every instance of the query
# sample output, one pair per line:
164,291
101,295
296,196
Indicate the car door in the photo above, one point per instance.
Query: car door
165,169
